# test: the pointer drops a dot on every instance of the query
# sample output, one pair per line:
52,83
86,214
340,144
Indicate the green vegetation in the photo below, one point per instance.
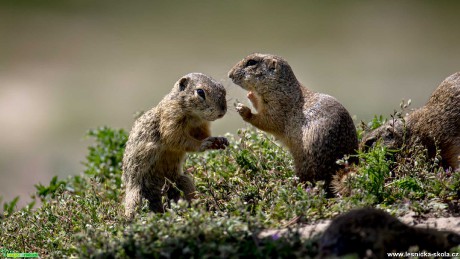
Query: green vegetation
243,190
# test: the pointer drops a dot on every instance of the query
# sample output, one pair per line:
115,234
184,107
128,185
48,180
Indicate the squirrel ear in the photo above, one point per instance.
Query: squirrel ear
272,64
183,83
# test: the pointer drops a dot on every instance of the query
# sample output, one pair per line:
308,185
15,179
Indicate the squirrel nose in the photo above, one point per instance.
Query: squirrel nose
231,74
223,107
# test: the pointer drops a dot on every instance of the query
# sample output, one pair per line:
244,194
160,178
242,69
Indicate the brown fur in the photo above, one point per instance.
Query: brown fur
371,233
315,127
437,124
160,138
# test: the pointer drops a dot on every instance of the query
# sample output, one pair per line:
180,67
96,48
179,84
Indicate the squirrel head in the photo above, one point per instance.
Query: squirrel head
391,135
202,96
263,73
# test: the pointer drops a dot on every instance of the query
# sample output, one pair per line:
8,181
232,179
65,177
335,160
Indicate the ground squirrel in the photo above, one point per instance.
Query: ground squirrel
371,233
160,138
315,127
437,124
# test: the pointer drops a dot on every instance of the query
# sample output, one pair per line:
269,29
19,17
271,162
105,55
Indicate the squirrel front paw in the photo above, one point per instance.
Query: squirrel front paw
214,143
244,111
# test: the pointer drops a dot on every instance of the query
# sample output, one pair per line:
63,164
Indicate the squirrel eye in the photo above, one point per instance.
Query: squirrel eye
390,133
201,93
251,62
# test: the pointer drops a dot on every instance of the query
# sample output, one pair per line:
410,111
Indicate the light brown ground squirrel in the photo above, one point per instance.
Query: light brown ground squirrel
315,127
160,138
372,233
437,124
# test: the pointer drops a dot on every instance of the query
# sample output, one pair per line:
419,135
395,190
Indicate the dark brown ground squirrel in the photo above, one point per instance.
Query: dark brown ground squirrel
371,233
437,124
158,142
315,127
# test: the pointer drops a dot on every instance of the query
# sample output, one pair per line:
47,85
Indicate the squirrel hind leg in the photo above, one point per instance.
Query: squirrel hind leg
186,185
452,156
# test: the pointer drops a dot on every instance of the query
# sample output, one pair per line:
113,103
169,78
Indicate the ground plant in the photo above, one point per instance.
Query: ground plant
242,191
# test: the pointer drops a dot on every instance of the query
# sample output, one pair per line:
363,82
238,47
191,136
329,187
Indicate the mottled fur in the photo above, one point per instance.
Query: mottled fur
437,124
315,127
160,138
371,233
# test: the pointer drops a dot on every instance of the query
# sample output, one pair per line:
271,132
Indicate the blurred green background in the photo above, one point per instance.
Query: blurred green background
68,66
